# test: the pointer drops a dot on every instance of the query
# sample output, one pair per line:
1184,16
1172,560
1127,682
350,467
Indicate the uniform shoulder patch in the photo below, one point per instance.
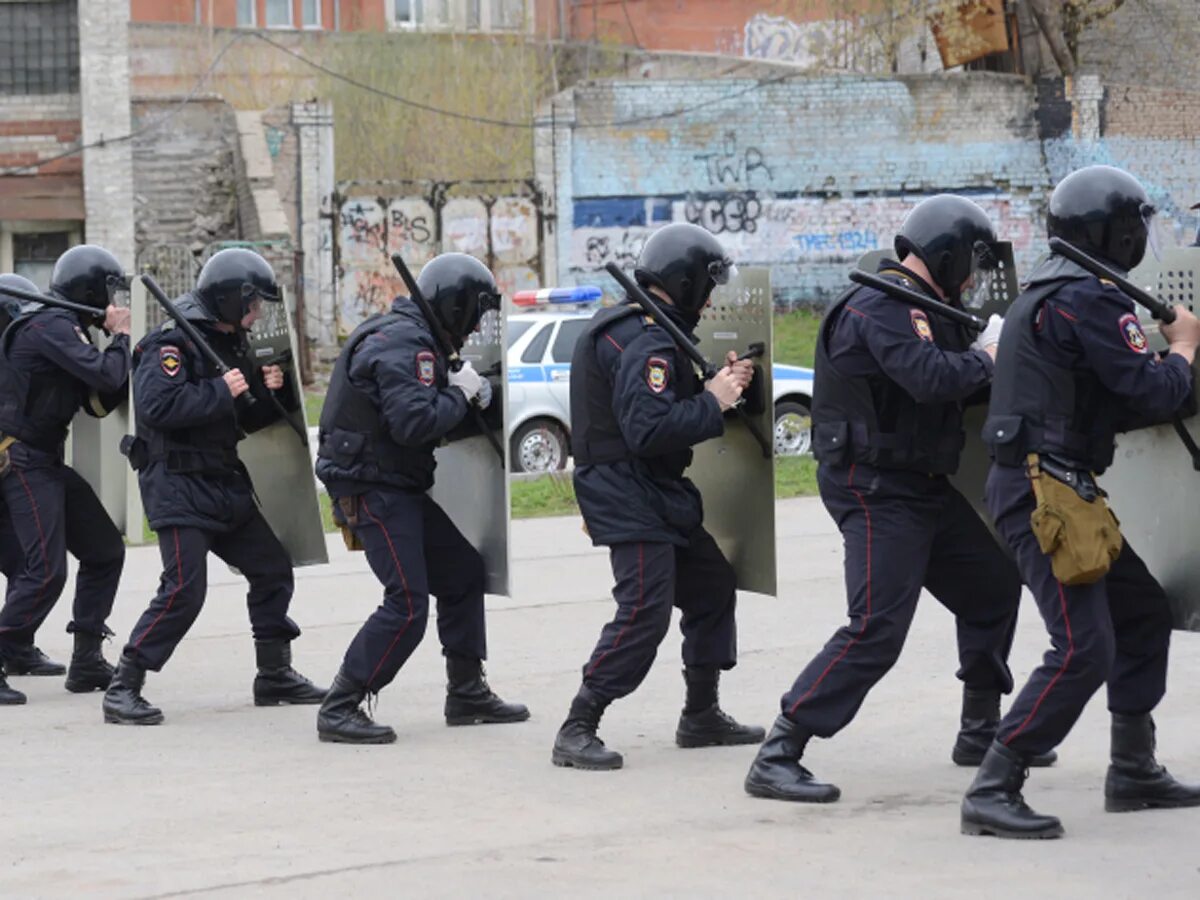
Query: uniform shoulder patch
426,367
168,359
920,325
658,374
1131,331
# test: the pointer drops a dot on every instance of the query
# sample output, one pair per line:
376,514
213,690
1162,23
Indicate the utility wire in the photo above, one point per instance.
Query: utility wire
508,123
144,129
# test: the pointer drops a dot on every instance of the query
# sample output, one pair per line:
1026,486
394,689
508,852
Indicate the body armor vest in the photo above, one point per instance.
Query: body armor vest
1040,407
874,421
36,407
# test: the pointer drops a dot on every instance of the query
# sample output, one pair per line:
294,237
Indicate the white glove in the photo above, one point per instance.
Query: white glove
990,336
485,393
467,380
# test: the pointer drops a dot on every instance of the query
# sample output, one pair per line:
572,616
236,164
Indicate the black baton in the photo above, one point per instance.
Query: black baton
1158,310
928,304
447,346
707,369
51,300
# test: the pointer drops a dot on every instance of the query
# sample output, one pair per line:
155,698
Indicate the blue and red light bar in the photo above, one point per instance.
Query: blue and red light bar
584,293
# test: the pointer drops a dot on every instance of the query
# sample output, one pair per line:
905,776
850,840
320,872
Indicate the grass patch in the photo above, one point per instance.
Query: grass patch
795,335
314,402
795,476
550,495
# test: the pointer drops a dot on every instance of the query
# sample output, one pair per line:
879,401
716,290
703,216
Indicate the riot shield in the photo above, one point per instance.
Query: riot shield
993,292
1151,484
280,464
471,483
735,477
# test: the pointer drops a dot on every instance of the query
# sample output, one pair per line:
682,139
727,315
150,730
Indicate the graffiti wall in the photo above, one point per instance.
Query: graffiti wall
501,228
806,174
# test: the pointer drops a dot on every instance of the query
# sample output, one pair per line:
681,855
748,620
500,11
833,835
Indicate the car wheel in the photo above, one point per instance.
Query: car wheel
540,446
793,429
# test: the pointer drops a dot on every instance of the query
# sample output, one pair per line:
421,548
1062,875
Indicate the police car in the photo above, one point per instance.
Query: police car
540,344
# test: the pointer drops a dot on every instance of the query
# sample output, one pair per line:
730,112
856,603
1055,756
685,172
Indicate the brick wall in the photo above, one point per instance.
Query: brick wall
803,175
806,174
36,127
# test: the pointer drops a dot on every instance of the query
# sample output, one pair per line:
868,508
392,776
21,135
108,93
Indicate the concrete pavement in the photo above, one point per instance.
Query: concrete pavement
227,800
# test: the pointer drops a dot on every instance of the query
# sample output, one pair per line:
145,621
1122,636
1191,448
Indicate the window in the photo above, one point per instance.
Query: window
515,330
508,15
311,12
34,254
569,333
407,12
474,15
39,48
537,347
245,12
279,13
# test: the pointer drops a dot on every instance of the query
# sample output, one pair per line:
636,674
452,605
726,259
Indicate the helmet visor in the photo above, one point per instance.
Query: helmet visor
722,271
117,284
993,275
1155,237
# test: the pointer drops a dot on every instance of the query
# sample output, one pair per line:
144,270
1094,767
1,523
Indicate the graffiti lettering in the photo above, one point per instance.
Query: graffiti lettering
733,166
415,229
731,213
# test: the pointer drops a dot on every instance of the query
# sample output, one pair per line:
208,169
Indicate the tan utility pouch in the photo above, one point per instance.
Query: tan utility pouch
348,506
1081,537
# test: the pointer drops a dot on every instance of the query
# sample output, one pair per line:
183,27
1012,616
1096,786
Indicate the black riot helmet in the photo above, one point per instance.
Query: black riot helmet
10,307
88,275
459,290
1103,211
952,236
231,280
686,262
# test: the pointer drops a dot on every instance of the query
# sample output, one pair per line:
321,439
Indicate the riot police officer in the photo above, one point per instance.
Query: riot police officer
51,370
1073,370
637,408
197,493
11,558
392,399
891,382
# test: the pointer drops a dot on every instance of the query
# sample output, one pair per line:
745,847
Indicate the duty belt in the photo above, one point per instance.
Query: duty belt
1079,480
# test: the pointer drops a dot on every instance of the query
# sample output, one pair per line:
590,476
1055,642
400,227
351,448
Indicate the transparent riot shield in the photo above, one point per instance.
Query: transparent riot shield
279,462
993,293
1152,486
471,481
735,472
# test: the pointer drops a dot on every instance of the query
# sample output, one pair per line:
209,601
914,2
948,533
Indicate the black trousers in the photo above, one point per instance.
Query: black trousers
415,550
252,549
52,510
651,578
1116,630
903,531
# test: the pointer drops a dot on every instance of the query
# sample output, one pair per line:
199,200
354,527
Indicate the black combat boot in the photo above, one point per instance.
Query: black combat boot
703,723
1135,779
341,719
89,670
994,805
277,683
980,719
123,701
26,659
776,772
576,744
8,696
469,700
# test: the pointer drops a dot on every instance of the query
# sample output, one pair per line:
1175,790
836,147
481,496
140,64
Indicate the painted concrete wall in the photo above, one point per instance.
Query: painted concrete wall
807,173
